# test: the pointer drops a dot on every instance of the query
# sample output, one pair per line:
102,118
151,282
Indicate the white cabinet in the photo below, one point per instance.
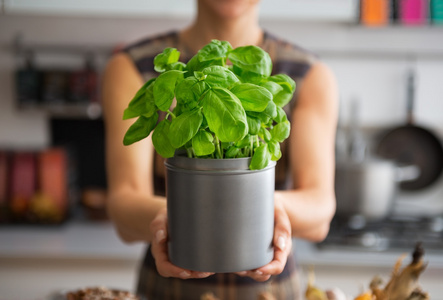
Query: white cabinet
315,10
310,10
101,7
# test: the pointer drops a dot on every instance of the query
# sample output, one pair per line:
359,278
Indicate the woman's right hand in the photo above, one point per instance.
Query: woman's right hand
159,248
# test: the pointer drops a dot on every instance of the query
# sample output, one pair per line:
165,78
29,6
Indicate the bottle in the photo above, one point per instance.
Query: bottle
436,12
374,12
413,12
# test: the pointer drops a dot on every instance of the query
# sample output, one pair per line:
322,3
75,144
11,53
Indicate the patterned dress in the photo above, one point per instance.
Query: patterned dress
287,58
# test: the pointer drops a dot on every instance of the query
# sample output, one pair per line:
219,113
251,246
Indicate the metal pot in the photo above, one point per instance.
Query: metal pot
368,188
220,214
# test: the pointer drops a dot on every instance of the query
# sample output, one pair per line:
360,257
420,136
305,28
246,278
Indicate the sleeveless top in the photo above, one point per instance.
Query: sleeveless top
286,58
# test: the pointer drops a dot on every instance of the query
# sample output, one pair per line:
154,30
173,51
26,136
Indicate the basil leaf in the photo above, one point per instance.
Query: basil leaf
260,158
288,87
164,88
274,149
219,76
264,134
184,127
167,57
214,50
272,87
212,54
142,103
252,97
281,131
160,139
202,143
253,125
232,152
245,142
140,129
225,115
251,63
183,91
281,115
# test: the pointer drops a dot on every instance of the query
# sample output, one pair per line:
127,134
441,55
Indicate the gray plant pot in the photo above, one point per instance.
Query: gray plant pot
220,214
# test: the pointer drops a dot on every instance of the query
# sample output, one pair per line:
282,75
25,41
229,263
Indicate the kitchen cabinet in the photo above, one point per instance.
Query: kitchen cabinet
330,10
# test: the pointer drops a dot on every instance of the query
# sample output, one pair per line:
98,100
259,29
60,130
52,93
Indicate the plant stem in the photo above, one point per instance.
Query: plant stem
189,152
171,113
217,147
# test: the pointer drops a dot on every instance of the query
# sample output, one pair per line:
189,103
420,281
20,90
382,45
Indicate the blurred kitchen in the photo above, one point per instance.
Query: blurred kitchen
388,59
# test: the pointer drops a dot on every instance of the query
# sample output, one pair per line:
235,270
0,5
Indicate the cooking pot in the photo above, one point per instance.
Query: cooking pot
368,188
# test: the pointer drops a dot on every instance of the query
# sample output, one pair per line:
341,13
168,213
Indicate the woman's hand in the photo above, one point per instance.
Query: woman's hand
159,248
282,246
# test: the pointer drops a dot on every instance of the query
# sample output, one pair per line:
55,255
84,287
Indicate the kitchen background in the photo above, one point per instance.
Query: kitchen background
70,41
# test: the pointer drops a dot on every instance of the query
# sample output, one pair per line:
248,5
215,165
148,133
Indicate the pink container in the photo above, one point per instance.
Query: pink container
413,12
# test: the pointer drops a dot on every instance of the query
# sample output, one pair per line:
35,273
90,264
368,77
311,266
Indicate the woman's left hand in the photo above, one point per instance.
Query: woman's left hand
282,246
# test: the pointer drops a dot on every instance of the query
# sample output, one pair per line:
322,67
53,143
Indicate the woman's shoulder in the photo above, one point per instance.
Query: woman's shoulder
143,51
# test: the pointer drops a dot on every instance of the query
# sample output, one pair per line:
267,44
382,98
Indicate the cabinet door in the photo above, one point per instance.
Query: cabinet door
101,7
315,10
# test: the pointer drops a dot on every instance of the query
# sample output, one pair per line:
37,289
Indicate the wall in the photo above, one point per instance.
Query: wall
370,65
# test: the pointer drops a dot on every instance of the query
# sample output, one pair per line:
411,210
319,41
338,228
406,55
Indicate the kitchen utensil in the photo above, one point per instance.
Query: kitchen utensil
368,188
411,144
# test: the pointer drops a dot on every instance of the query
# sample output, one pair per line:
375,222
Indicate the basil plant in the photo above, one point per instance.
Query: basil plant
222,110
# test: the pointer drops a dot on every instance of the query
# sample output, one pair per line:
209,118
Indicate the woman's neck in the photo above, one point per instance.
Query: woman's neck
238,30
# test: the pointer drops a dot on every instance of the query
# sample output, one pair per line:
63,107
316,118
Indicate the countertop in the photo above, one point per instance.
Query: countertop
79,239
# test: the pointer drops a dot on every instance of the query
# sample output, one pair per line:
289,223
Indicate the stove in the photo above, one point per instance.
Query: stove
397,234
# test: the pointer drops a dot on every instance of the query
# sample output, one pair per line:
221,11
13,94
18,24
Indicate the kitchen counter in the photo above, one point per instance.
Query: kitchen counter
80,254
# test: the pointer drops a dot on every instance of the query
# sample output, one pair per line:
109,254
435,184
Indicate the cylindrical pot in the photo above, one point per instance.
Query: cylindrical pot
368,188
220,214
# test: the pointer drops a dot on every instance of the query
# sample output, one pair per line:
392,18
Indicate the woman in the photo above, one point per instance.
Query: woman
304,201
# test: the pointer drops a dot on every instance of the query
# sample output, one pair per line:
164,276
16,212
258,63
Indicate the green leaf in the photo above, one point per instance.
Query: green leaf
164,88
288,87
214,50
160,139
274,149
252,97
281,131
281,115
232,152
183,91
212,54
260,158
142,103
245,142
272,87
163,60
254,125
251,63
219,76
184,127
202,143
264,134
140,129
225,115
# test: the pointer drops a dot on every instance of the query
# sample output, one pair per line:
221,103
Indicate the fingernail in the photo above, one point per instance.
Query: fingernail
185,274
258,272
160,235
281,243
203,275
